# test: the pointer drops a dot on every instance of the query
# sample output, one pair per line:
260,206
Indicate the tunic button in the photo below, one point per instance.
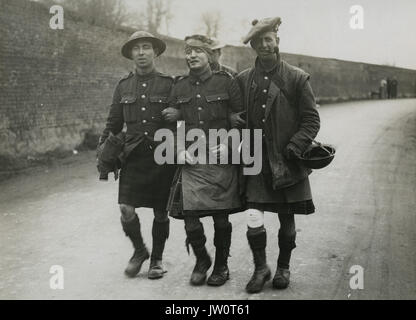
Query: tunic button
198,96
266,78
143,109
201,122
146,133
144,84
197,83
143,96
126,101
144,121
199,108
265,90
263,120
263,106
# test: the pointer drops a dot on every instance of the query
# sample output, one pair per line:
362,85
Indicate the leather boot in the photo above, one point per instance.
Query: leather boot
262,271
222,242
132,230
160,233
197,240
281,278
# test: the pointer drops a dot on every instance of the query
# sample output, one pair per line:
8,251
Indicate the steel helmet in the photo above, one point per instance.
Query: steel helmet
158,44
318,155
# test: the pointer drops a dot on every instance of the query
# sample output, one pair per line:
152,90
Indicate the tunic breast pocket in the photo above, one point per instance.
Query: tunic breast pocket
217,105
130,108
157,104
188,113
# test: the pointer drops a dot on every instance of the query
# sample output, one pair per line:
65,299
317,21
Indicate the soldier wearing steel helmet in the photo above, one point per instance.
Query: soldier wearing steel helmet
139,102
279,100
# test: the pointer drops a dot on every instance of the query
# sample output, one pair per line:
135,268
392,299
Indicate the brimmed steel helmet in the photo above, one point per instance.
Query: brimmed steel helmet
318,155
158,44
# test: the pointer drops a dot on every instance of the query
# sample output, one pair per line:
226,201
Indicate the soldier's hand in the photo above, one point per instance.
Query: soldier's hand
236,121
291,152
185,157
171,114
220,151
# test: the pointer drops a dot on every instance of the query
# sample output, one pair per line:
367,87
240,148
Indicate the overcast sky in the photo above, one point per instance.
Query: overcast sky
311,27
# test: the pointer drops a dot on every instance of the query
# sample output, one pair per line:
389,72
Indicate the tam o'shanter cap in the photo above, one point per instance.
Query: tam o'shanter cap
158,44
264,25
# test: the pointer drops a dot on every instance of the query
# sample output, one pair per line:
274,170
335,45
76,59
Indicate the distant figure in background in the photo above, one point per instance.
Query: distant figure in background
216,54
393,88
388,88
383,89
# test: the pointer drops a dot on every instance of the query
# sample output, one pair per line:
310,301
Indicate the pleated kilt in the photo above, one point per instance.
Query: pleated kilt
144,183
302,207
260,195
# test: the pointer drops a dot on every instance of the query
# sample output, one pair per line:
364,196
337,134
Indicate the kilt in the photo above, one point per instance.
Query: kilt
144,183
301,207
296,199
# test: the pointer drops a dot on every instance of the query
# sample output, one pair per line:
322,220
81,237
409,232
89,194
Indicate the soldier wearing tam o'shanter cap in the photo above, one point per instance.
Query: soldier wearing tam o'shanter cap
279,100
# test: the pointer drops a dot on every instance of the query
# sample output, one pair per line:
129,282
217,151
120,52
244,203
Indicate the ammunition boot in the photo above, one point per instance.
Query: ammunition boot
197,240
222,242
262,271
160,233
281,278
141,254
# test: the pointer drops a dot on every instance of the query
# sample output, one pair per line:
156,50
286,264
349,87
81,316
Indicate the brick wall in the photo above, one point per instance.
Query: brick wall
56,85
334,80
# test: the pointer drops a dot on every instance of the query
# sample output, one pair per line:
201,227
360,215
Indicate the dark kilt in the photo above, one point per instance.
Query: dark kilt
144,183
302,207
296,199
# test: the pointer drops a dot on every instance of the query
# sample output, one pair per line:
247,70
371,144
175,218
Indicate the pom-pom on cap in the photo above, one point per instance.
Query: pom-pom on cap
261,26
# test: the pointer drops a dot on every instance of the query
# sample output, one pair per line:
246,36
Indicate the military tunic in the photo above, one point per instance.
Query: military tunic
205,102
221,67
138,102
260,194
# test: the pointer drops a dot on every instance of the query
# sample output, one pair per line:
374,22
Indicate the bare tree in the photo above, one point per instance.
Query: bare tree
158,11
156,15
212,23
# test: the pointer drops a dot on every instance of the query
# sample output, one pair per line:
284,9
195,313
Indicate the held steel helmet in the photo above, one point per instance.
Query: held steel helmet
317,155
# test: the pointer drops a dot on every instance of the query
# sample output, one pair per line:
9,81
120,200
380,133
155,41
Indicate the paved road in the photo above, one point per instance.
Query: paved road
365,201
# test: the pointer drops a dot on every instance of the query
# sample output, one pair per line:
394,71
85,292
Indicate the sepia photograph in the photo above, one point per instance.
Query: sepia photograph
221,151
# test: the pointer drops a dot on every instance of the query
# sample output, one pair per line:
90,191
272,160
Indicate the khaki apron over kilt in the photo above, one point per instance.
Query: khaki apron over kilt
204,190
